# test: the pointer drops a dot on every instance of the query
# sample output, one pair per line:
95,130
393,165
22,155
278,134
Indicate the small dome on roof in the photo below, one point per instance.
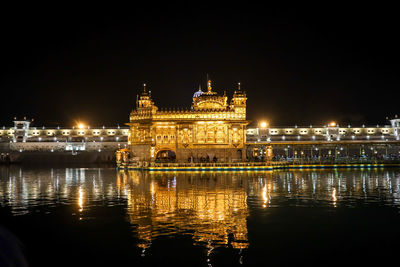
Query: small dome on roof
198,93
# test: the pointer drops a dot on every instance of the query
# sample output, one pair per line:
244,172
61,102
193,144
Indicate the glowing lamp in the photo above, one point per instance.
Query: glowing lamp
332,124
263,124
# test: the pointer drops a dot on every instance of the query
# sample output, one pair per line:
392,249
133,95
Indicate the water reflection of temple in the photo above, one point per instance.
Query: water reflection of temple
211,208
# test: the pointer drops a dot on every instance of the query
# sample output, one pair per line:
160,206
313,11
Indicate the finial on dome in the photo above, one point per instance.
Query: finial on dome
200,88
209,88
238,86
144,87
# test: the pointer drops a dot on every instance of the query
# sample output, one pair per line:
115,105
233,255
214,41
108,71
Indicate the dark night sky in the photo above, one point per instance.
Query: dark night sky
299,65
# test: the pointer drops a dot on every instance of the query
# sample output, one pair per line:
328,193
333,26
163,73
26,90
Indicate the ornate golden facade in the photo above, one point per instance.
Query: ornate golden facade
211,130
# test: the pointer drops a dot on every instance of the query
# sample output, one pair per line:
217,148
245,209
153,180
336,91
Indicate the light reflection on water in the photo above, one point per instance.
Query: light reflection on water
211,208
26,190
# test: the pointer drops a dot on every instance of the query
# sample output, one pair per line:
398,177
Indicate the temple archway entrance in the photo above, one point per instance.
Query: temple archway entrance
165,156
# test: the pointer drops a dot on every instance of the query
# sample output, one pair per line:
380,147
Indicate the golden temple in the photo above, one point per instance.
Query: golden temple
210,131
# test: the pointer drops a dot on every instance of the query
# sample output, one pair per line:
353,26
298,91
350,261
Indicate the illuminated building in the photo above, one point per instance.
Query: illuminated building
80,143
328,141
210,130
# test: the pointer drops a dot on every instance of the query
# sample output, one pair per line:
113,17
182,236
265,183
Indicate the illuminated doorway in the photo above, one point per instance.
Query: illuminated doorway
165,156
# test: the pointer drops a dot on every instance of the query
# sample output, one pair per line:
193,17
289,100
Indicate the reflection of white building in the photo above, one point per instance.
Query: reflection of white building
21,189
74,175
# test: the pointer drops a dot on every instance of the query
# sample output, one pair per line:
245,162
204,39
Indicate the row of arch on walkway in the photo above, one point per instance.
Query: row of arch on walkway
167,155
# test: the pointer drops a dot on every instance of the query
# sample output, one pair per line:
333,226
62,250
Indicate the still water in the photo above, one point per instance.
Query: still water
100,216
